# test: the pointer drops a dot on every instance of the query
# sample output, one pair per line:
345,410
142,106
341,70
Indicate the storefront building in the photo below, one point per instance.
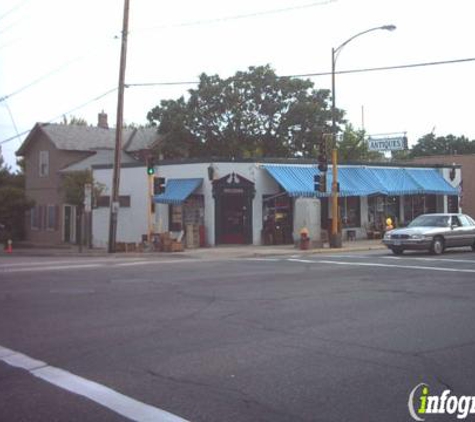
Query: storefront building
264,203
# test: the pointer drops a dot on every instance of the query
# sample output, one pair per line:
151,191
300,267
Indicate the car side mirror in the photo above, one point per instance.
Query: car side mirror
453,226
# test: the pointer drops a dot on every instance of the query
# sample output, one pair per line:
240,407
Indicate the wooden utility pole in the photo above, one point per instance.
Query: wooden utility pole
114,203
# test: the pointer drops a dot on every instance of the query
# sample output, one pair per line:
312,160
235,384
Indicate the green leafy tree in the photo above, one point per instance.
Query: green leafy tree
13,203
353,147
251,114
73,184
442,145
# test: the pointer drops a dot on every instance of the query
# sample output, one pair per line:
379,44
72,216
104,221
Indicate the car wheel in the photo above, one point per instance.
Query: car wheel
397,251
437,246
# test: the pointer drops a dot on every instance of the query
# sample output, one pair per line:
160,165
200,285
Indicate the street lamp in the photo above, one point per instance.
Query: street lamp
335,238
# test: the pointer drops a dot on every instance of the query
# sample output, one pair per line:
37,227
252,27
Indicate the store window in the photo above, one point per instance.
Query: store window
191,212
277,216
380,208
415,205
453,203
350,208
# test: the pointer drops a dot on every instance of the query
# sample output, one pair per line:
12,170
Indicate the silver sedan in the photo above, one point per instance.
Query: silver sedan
433,232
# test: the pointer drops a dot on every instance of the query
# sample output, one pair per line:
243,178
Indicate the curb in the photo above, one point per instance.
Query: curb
25,252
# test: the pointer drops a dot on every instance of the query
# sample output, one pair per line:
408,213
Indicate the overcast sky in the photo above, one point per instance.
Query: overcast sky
56,55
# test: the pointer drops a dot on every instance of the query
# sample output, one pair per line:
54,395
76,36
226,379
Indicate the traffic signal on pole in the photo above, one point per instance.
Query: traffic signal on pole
320,182
322,156
150,167
159,185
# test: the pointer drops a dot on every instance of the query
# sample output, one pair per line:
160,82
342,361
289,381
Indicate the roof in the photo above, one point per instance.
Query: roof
99,157
87,138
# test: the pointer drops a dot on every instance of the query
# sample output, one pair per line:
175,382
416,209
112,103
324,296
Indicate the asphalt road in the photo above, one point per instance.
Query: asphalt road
335,337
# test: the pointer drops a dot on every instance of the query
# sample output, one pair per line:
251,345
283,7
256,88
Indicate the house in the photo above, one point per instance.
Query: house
262,202
49,151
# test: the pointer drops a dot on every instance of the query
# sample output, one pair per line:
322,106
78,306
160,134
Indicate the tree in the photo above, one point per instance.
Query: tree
353,147
442,145
13,203
251,114
73,120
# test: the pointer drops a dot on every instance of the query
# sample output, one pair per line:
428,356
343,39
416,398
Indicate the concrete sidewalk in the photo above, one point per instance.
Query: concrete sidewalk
222,252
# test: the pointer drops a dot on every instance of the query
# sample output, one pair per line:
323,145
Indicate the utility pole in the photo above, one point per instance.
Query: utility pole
114,203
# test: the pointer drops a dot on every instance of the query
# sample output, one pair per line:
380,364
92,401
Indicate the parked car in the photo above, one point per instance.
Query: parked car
433,232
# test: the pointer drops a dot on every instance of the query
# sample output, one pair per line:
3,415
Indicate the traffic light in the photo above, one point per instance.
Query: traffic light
322,156
320,182
150,167
159,185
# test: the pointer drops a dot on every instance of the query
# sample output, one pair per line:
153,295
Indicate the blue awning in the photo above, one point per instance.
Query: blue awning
177,191
299,180
395,181
295,180
361,181
432,182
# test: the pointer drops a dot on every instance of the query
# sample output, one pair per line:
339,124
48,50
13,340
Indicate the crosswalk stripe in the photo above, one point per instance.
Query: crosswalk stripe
105,396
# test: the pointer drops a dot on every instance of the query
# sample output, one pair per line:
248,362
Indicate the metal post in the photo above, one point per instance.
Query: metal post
335,237
114,209
149,205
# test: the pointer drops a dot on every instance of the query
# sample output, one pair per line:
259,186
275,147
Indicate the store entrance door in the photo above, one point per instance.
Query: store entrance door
233,196
234,219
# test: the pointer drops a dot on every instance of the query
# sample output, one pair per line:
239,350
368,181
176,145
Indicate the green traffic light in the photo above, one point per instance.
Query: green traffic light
150,171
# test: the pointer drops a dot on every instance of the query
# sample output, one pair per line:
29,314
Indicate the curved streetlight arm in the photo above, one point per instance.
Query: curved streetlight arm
337,50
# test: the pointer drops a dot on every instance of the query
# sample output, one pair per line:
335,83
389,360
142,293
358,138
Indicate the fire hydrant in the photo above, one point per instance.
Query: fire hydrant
389,224
304,239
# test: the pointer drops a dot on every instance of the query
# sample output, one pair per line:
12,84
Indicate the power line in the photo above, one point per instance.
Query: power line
307,75
237,17
53,72
13,9
304,75
110,91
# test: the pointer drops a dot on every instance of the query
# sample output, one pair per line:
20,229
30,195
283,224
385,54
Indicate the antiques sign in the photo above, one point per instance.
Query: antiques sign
387,144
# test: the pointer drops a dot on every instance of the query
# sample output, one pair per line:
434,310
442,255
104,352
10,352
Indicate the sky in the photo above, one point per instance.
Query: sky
61,58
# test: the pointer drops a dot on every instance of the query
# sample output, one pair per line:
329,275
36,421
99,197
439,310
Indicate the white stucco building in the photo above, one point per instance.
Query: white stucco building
249,202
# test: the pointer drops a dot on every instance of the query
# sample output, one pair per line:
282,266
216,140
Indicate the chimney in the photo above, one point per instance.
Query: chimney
102,120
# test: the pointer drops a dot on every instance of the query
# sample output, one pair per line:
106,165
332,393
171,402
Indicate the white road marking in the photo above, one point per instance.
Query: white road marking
105,396
469,261
111,264
50,268
56,262
373,264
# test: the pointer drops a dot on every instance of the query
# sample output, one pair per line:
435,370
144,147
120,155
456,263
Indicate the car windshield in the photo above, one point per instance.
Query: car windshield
430,221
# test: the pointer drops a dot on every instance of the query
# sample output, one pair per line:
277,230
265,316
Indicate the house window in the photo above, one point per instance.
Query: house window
51,217
35,218
44,163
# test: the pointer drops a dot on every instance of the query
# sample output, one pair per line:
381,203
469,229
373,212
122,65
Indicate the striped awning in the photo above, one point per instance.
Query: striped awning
432,182
361,181
177,191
